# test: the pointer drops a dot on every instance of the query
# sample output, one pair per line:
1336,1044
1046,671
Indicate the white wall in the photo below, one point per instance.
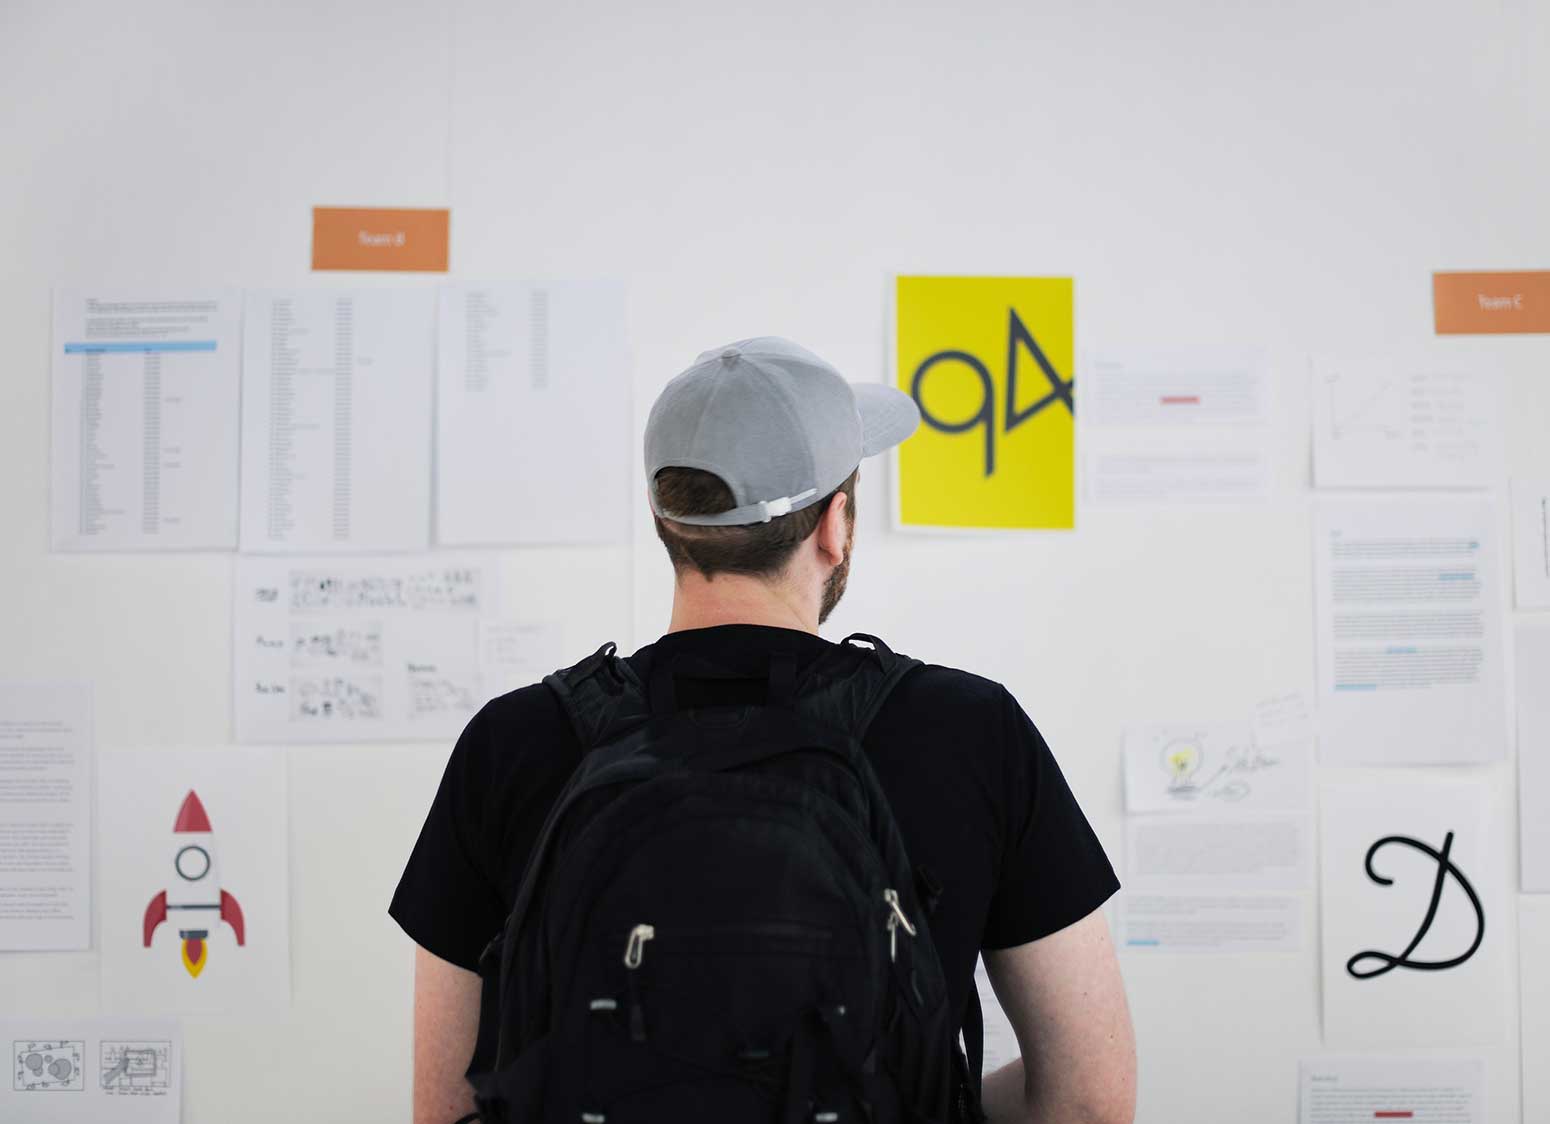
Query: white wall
1280,176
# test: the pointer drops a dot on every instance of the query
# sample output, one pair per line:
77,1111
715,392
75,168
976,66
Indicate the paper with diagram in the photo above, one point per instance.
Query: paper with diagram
381,649
193,893
1382,423
1165,426
1408,604
92,1070
1531,543
1193,767
336,420
1362,1088
528,374
145,408
1533,694
45,816
1415,914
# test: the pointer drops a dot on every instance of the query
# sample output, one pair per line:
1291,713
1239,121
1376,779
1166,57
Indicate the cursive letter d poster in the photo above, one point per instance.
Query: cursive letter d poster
989,361
1415,916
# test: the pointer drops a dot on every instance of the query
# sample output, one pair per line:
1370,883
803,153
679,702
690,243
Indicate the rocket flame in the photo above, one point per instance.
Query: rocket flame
194,955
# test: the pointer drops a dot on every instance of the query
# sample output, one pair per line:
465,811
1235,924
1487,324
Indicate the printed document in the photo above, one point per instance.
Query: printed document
362,649
92,1069
534,425
1382,424
1534,993
1212,883
1416,913
1531,542
1408,601
1363,1088
1533,667
1175,428
45,810
145,406
336,420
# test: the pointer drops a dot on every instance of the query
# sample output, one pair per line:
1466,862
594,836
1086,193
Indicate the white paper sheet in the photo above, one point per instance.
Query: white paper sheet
1180,427
1408,605
1000,1039
1213,883
1531,543
516,653
1362,1088
193,891
1204,766
145,407
337,650
92,1070
1533,670
336,420
1534,990
1384,424
1381,875
533,414
45,816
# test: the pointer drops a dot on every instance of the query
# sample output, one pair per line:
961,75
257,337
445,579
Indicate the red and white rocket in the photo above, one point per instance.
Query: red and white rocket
197,893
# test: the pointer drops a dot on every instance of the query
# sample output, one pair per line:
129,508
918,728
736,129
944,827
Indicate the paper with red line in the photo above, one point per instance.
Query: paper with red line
1362,1088
193,900
1172,426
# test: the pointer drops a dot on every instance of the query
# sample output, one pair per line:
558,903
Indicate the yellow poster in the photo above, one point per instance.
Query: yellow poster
989,362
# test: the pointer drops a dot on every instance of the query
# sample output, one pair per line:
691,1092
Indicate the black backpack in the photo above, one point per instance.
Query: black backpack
719,921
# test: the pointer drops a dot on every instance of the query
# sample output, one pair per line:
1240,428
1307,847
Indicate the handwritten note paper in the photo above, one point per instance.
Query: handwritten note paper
1181,767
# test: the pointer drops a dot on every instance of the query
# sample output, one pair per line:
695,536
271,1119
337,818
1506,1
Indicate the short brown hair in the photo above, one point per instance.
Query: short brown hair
757,549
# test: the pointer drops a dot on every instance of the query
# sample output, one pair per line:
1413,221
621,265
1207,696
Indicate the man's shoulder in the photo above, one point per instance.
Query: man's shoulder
519,720
940,697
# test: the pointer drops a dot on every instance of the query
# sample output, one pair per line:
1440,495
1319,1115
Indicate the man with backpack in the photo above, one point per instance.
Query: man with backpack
744,874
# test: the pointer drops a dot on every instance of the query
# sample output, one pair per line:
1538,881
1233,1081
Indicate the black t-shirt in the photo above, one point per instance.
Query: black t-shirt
977,795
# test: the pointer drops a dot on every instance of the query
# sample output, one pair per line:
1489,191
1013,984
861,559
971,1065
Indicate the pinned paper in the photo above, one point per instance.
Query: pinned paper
369,238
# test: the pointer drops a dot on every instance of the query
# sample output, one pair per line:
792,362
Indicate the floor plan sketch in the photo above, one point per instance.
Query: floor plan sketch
142,1069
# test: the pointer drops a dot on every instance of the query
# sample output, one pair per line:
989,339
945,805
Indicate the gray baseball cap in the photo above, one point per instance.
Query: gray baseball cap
778,424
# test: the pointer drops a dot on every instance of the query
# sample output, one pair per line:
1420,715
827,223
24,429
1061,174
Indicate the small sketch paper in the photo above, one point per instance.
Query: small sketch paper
1283,718
1531,543
45,816
1362,1088
1180,767
145,408
193,909
1415,915
336,420
1380,424
533,414
1409,614
92,1070
337,650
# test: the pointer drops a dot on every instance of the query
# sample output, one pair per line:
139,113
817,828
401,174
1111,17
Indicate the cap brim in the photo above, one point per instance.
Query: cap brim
888,416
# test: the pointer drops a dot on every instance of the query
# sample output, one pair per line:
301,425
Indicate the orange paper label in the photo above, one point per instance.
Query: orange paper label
1491,303
376,238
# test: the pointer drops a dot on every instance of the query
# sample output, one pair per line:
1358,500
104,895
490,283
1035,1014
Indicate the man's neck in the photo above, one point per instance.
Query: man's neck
699,602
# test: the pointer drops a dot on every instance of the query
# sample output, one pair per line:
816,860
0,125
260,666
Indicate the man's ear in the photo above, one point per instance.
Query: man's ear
833,530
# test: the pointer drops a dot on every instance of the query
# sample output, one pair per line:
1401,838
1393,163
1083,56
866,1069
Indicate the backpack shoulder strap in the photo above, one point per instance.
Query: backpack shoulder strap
602,696
850,684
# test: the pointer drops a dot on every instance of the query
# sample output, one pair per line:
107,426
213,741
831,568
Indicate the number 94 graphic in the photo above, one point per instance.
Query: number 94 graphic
1017,334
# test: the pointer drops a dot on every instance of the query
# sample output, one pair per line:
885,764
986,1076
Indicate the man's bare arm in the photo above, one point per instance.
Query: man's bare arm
446,1023
1066,1002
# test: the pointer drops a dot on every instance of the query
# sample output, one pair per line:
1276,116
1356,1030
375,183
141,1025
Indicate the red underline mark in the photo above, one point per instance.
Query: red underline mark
1404,1114
1180,399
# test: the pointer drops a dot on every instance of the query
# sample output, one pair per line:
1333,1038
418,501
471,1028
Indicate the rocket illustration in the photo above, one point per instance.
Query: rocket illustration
197,894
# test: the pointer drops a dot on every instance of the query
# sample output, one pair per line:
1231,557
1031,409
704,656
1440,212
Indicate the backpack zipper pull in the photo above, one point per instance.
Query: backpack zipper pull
896,918
634,953
635,949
